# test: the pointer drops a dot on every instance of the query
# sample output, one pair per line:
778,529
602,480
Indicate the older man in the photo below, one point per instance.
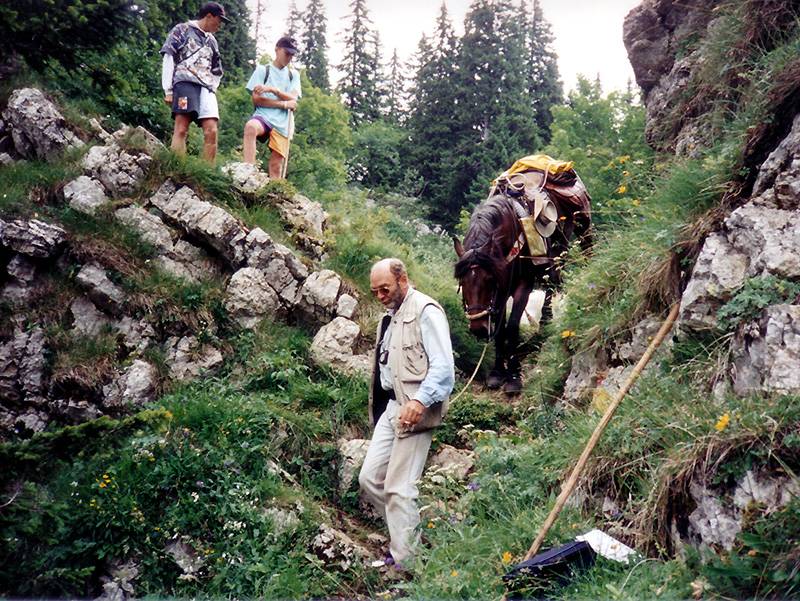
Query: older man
412,378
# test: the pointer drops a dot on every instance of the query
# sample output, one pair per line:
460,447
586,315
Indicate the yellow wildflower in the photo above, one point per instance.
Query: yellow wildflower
102,485
622,189
454,573
431,525
722,422
624,158
506,558
626,173
568,333
636,202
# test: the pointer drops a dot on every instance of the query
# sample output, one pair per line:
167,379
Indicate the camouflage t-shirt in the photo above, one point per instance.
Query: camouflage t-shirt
196,55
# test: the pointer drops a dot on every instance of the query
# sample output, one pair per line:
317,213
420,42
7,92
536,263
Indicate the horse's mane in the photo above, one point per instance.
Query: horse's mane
480,240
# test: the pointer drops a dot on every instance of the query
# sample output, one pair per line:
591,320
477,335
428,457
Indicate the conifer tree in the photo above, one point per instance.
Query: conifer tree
294,21
358,85
395,91
544,87
235,44
314,47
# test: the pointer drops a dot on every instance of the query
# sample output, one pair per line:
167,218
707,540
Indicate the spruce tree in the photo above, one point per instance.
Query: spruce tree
544,86
314,47
294,21
395,91
358,85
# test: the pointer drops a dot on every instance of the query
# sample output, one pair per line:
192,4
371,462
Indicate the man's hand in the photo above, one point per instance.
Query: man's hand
168,98
262,89
291,104
410,413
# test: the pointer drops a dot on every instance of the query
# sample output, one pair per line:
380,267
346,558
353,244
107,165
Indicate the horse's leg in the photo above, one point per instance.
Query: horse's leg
497,376
521,295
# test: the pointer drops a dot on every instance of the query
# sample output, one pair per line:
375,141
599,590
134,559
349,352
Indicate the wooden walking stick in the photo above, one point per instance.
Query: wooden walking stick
569,486
285,164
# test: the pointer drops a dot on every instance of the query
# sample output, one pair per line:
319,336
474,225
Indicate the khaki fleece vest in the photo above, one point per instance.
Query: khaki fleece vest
408,362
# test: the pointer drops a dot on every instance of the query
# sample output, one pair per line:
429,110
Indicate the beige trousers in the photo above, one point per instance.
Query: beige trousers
389,477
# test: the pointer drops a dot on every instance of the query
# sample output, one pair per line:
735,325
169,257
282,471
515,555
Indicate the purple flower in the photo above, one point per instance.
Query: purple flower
474,485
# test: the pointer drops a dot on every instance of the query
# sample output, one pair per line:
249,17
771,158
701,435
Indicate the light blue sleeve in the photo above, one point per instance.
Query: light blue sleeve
438,383
256,78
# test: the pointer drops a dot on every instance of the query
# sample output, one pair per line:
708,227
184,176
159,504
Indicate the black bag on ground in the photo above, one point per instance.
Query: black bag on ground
534,578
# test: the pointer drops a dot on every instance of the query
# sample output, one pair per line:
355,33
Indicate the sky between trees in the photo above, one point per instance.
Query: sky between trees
588,33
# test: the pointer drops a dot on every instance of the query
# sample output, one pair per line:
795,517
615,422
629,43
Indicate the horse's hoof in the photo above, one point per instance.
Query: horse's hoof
495,380
513,386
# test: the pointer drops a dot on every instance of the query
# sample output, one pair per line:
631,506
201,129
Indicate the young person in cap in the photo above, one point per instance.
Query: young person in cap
190,75
275,89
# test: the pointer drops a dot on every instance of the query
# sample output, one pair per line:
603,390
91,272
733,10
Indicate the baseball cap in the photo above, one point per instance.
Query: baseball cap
288,44
213,8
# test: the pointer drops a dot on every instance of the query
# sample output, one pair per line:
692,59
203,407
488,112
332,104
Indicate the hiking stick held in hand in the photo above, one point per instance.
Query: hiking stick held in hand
569,486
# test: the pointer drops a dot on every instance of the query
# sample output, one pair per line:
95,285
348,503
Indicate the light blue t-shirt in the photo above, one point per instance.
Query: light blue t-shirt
278,78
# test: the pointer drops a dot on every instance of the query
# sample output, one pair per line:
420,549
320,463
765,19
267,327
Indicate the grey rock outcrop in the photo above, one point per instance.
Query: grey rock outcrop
249,297
190,262
334,345
85,194
22,365
452,462
319,295
188,358
766,354
203,220
134,386
151,229
87,319
352,453
38,129
102,291
247,178
120,171
336,549
33,238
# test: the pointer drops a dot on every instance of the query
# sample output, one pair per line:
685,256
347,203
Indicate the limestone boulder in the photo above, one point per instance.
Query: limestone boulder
151,229
38,129
352,454
121,172
319,296
33,238
22,367
87,319
137,137
334,345
135,386
100,289
769,237
204,221
719,272
249,297
452,462
336,549
85,194
190,262
778,182
188,358
766,353
247,178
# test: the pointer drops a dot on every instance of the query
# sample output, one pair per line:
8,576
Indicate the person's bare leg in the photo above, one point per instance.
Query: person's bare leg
209,140
252,129
275,164
180,132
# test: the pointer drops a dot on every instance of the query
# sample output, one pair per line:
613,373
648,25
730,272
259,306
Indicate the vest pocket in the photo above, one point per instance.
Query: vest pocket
415,363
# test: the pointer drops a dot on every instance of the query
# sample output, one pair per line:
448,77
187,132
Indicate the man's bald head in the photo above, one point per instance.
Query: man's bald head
388,280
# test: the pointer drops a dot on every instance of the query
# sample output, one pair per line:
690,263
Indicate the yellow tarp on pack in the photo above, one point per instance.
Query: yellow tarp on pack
540,162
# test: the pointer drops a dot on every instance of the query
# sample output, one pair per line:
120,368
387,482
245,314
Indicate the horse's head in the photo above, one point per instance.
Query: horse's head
477,274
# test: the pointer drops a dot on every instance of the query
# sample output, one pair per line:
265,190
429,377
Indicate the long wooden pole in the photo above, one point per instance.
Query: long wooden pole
569,486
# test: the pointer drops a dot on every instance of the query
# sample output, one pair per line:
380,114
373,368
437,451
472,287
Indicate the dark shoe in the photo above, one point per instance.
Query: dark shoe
513,385
496,379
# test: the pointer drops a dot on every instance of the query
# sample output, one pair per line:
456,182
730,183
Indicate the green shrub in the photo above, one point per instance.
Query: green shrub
756,294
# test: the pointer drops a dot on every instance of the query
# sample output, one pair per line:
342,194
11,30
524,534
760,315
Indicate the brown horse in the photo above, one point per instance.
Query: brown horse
494,264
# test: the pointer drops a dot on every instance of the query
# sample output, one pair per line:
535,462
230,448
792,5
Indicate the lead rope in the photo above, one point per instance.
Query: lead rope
472,377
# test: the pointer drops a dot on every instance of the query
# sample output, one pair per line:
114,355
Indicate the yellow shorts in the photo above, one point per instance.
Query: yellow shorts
277,141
